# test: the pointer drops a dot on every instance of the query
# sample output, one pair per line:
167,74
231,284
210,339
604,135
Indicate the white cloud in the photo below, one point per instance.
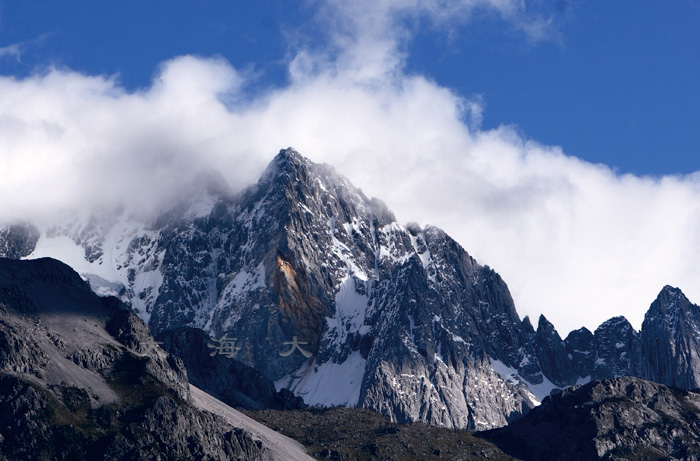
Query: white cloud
572,239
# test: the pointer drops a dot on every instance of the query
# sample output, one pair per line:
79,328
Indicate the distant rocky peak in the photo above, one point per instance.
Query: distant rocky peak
672,309
18,240
287,163
615,345
669,343
615,323
381,212
546,329
670,298
579,340
551,351
294,184
291,156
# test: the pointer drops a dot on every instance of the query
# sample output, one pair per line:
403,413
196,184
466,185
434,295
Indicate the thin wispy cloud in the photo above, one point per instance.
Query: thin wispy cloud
11,51
572,239
16,50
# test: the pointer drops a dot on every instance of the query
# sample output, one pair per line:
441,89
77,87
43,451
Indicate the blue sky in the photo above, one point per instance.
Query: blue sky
557,141
610,82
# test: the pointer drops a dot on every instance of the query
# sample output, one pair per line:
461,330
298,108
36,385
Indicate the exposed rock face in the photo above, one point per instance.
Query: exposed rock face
669,343
18,240
667,350
326,294
580,346
552,354
224,377
81,378
615,346
622,418
385,310
472,396
35,424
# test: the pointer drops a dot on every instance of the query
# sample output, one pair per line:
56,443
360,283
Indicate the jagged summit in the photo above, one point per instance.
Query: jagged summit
287,162
675,312
669,299
669,343
291,180
671,290
615,348
291,156
552,354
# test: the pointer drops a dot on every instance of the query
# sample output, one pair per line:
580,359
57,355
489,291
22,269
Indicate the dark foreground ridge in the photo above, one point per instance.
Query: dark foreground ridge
82,379
227,379
359,434
622,418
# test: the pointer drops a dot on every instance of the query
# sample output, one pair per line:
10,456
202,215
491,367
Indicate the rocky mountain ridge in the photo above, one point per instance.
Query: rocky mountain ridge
82,378
612,419
390,317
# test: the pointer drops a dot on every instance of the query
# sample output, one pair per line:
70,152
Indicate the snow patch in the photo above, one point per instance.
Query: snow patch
103,287
328,384
120,270
538,391
350,307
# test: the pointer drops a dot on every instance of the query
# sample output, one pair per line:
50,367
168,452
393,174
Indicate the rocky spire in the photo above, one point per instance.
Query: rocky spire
669,343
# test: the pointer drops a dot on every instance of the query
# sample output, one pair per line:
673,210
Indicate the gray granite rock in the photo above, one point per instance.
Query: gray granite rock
81,378
615,347
668,350
581,349
370,311
552,354
18,240
621,418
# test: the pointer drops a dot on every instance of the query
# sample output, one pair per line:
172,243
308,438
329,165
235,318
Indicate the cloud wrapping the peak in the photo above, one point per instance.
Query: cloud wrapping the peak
573,240
68,139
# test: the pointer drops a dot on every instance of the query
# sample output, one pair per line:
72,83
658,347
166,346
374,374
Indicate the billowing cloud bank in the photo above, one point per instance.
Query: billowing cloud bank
573,240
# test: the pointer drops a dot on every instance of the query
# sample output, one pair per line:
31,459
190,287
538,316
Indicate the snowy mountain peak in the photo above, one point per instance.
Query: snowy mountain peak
288,162
323,291
290,156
